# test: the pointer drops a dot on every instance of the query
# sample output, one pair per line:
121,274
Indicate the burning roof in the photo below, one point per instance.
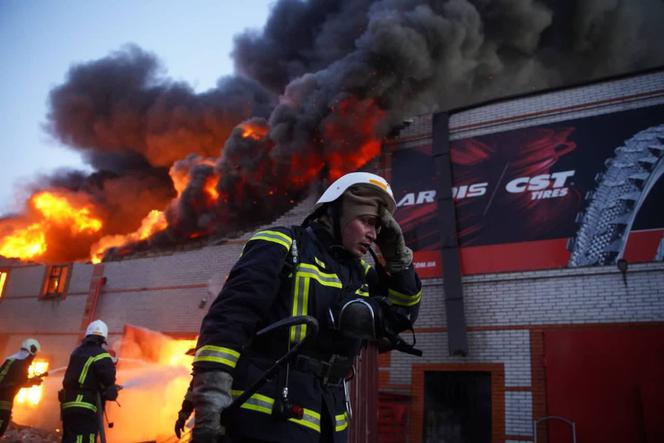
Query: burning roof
317,90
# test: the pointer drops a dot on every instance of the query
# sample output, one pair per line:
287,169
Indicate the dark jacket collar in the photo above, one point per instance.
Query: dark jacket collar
330,244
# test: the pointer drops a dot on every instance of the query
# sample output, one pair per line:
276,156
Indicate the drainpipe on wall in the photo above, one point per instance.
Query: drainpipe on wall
452,286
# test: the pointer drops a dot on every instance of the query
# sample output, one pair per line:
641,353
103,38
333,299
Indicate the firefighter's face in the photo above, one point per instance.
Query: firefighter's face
358,234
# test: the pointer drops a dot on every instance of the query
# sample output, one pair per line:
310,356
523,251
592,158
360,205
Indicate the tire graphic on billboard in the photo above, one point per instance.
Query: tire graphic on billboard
613,205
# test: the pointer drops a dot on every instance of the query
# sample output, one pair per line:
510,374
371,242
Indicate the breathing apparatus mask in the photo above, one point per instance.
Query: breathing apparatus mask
372,319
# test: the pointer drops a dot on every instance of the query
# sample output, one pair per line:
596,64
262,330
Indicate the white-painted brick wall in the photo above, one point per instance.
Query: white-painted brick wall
517,420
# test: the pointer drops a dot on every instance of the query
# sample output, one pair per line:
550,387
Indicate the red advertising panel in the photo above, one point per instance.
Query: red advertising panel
575,193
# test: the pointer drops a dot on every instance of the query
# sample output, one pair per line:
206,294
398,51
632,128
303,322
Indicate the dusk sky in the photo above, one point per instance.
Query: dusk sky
41,40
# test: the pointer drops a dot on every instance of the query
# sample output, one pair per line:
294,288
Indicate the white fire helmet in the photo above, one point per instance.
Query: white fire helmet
31,345
97,327
336,189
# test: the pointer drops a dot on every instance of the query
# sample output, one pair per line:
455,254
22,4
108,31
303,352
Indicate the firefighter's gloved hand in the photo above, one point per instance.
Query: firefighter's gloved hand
111,393
211,393
34,381
183,415
392,245
180,422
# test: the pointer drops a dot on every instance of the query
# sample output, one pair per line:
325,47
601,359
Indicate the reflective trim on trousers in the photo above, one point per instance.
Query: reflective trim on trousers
341,422
264,404
79,403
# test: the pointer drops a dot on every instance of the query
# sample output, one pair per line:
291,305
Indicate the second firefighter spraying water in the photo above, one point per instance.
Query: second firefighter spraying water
88,382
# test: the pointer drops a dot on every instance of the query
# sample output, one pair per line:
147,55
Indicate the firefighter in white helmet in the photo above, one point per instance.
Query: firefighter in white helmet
88,381
14,376
315,269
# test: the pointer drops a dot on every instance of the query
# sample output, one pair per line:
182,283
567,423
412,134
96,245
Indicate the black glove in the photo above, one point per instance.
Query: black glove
34,381
392,245
111,393
180,422
211,393
185,411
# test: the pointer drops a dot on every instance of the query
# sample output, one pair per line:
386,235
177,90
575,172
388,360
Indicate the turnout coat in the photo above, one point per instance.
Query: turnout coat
286,272
90,372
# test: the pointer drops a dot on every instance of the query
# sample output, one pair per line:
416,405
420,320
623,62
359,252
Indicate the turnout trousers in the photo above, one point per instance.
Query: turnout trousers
79,427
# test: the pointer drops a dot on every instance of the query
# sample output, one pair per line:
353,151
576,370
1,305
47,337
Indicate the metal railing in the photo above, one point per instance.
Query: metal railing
554,417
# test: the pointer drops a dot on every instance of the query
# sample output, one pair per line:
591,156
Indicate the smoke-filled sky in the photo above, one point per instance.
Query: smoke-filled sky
40,40
145,94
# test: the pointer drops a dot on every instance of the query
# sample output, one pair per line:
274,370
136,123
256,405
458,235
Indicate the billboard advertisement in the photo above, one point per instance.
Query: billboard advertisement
573,193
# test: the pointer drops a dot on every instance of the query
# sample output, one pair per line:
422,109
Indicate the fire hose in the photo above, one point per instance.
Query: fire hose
312,331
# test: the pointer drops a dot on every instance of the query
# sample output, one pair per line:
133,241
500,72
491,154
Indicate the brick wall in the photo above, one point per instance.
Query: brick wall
506,313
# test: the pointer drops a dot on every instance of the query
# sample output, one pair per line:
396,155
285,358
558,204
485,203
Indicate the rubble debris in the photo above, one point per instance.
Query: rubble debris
16,433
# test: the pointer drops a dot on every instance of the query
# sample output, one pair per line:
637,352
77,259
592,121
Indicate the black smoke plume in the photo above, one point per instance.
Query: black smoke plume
346,72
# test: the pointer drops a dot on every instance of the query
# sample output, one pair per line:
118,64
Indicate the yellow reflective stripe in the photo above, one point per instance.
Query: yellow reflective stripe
264,404
402,299
93,439
363,291
86,367
257,402
319,262
79,403
217,354
341,422
6,369
366,266
79,438
300,306
323,278
310,419
5,405
303,276
274,237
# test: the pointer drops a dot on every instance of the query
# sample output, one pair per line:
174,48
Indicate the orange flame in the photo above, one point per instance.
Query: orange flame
211,187
155,369
154,222
51,209
32,396
253,131
180,176
56,208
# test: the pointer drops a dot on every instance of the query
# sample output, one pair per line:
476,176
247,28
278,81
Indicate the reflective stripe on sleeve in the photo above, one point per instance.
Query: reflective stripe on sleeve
6,368
402,299
217,354
363,291
274,237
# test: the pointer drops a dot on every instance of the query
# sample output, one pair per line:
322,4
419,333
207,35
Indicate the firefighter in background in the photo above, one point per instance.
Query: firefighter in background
88,381
314,269
14,376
